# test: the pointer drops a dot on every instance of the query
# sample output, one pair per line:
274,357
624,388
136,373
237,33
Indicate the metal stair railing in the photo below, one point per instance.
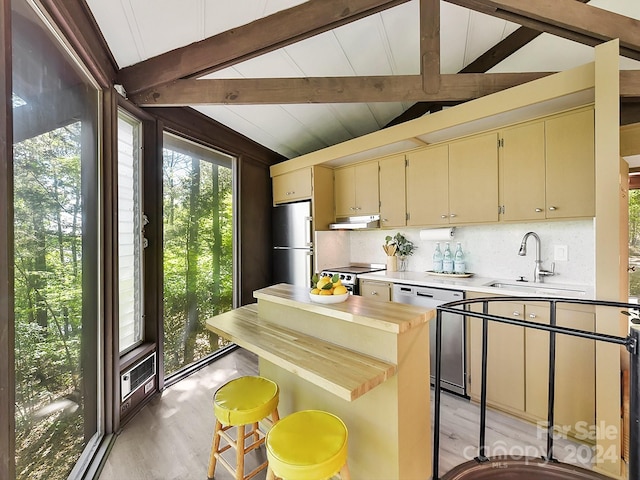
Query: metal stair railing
631,342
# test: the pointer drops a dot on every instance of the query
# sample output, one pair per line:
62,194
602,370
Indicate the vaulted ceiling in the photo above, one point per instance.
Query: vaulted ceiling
297,76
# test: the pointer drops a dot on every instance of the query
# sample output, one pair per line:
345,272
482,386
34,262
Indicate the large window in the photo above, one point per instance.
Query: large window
130,224
56,257
198,248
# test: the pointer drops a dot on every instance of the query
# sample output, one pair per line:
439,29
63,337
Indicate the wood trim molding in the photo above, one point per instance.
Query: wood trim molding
80,29
7,328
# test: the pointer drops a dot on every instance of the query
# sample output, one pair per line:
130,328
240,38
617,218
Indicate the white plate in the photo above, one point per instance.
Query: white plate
328,298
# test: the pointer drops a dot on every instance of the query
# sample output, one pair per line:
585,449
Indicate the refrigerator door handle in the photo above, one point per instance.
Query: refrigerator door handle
309,231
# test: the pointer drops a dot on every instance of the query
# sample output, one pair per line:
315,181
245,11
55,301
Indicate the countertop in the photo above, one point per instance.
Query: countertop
481,285
389,317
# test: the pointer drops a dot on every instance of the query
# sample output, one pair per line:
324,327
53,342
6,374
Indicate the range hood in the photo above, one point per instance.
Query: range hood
356,223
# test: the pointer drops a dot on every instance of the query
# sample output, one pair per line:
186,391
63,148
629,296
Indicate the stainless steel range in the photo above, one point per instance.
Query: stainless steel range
349,274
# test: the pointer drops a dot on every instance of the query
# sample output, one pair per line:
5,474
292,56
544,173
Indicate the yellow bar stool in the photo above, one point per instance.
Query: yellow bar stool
238,403
308,445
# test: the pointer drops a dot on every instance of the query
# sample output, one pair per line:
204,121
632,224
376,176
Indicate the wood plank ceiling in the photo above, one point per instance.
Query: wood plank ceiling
298,76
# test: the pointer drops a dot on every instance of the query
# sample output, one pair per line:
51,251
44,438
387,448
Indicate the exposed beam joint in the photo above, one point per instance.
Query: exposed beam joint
456,87
566,18
248,41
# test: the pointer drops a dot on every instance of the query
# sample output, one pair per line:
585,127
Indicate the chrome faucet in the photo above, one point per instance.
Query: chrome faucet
538,272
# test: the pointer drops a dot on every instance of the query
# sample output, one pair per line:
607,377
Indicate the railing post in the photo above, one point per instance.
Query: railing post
483,392
634,405
552,382
436,395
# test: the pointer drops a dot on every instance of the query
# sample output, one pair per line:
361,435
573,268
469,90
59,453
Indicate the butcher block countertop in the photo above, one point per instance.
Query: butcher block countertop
345,373
387,316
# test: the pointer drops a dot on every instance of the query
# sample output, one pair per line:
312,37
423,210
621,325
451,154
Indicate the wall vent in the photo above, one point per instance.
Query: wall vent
137,376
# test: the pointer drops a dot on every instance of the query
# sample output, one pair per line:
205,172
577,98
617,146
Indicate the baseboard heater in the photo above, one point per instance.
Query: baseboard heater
137,376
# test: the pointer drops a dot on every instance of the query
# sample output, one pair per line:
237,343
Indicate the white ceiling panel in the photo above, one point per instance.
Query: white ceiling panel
402,27
321,56
376,58
120,33
483,33
156,21
454,23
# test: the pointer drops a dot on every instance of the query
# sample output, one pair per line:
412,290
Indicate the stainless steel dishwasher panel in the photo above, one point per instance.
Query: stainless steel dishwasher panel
453,373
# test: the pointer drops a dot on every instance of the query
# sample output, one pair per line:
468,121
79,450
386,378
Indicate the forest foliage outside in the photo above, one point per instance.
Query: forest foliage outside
198,254
48,304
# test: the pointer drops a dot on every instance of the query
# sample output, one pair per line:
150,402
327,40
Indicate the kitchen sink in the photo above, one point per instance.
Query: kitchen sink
537,288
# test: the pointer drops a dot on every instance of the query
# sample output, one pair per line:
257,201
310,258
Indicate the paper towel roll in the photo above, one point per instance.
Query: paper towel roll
436,234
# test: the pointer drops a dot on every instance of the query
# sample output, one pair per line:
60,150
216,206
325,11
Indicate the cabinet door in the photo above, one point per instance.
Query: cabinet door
367,196
570,165
393,207
575,372
522,172
345,192
292,186
537,362
473,179
505,358
375,290
575,369
428,186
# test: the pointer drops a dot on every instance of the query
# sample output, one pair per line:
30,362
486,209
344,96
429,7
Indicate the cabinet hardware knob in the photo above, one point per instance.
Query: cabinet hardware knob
373,292
532,315
443,216
385,220
552,208
516,314
452,215
538,210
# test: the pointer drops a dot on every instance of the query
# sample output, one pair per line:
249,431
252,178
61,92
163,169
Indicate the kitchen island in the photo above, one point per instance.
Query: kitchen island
364,361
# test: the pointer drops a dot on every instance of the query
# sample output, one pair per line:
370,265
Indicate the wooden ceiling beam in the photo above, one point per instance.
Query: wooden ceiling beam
565,18
248,41
430,45
246,91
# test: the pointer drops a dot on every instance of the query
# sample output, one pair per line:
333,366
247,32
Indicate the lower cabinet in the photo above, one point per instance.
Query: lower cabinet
376,290
518,365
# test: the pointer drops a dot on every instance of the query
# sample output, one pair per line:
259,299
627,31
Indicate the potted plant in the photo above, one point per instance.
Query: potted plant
403,248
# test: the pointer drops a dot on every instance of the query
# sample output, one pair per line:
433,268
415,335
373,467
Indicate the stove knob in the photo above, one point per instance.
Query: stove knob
341,277
348,277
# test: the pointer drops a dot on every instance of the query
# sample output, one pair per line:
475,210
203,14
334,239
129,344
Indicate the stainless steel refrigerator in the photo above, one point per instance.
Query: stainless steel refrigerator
292,244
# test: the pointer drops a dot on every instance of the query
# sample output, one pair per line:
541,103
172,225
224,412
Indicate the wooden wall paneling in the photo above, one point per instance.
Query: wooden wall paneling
7,329
254,228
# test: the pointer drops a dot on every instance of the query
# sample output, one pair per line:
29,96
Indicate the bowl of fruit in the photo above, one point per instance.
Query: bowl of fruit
328,290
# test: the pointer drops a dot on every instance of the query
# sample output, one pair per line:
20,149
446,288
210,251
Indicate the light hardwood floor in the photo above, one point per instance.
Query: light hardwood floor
170,438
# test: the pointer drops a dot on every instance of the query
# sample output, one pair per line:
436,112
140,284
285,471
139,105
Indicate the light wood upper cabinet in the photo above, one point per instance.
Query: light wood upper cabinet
522,172
292,186
356,190
570,165
473,179
393,205
428,186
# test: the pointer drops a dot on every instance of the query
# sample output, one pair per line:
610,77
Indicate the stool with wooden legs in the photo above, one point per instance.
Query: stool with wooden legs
307,445
239,403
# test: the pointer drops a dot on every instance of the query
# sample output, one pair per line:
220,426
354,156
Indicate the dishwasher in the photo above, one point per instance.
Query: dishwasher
453,373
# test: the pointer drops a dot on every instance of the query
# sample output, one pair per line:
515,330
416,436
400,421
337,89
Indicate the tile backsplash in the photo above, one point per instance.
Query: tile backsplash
490,250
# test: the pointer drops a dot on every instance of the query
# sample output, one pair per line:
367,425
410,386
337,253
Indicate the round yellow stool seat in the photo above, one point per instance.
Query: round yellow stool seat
307,445
245,400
